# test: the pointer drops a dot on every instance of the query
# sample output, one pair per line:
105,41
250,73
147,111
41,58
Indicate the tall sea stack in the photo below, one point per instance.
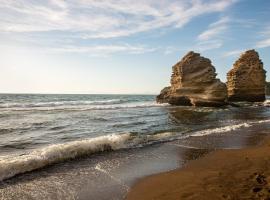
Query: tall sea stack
194,82
267,88
246,80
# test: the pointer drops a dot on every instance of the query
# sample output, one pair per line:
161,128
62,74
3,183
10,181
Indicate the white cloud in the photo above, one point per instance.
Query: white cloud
170,49
214,29
265,42
208,45
103,50
265,32
59,25
90,50
200,47
211,38
102,18
210,33
233,53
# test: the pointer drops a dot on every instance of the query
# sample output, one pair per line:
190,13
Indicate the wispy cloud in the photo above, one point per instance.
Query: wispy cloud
263,35
265,41
170,49
102,18
214,29
211,38
233,53
104,50
208,45
85,26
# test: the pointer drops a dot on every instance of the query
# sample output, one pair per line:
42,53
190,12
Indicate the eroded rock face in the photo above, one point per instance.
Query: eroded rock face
194,82
164,95
267,88
246,80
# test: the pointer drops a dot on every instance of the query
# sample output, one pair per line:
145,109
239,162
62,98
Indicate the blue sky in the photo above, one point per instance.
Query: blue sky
122,46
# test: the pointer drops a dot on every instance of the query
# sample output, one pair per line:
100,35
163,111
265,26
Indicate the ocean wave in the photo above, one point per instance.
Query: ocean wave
128,124
221,129
263,121
62,103
55,128
10,166
267,103
87,107
6,130
13,165
229,128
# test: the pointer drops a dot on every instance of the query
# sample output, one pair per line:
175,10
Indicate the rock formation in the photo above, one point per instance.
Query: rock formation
246,80
267,88
194,82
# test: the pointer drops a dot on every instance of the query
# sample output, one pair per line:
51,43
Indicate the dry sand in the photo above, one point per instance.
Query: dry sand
225,174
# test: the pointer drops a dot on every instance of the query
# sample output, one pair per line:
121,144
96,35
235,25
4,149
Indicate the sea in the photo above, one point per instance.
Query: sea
65,146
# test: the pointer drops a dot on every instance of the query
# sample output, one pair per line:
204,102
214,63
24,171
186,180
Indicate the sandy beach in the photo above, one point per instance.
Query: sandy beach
224,174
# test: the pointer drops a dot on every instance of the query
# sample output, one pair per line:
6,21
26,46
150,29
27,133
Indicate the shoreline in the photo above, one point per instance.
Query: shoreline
110,175
223,174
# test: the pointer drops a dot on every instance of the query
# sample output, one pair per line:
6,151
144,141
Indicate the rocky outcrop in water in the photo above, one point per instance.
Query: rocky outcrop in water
164,95
267,88
194,82
246,80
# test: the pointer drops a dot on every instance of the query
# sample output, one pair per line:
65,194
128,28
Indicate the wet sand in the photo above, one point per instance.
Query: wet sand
224,174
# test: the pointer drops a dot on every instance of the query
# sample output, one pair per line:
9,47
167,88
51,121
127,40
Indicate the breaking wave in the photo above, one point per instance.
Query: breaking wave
82,107
267,103
228,128
221,129
13,165
61,103
10,166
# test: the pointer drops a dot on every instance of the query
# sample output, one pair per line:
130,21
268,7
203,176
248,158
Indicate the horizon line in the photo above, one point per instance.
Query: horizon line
77,93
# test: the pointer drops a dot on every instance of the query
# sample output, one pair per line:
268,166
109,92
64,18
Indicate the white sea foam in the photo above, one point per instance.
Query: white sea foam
12,165
229,128
85,107
223,129
119,181
267,103
262,121
61,103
